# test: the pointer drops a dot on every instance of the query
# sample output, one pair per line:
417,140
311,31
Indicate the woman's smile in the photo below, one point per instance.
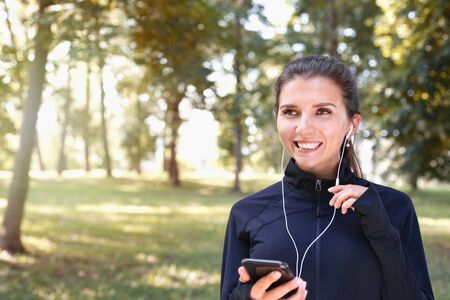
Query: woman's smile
307,146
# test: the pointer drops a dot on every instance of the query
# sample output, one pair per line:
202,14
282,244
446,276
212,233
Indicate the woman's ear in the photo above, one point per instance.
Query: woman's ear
355,122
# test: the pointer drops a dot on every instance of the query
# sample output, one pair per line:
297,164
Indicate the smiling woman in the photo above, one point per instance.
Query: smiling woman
373,251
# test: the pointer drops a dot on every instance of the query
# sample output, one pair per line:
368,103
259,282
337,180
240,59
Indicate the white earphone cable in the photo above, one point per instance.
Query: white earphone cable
286,219
297,273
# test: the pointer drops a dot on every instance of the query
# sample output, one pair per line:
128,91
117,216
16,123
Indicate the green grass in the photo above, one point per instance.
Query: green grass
130,238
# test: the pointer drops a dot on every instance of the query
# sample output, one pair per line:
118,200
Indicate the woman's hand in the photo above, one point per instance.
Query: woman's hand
345,196
259,290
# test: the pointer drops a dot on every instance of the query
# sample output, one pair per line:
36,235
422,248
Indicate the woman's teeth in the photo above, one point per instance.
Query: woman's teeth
308,146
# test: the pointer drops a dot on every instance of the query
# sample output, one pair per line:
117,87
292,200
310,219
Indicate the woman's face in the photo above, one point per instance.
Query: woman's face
312,123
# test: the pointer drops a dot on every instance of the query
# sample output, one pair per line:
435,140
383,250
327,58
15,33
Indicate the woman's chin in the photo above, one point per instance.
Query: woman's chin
305,163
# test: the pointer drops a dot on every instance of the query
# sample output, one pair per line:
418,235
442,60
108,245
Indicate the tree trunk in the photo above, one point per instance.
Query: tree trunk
413,182
61,158
19,79
173,123
237,106
173,163
165,155
237,153
10,235
141,126
18,75
331,25
107,158
87,118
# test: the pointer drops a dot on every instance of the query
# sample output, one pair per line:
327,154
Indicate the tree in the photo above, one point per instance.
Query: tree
137,141
413,36
10,236
248,50
20,63
103,33
91,28
107,158
65,120
173,40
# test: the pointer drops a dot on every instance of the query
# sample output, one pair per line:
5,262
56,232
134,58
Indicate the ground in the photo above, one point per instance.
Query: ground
139,238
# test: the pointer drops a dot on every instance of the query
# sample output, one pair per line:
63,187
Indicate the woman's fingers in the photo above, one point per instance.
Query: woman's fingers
259,288
243,275
285,288
348,204
300,294
336,188
337,191
341,196
345,194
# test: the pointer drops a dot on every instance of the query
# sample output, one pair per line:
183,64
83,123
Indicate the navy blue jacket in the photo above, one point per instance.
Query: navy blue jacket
373,253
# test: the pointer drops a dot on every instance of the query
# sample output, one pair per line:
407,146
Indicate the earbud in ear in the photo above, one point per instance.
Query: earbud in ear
349,133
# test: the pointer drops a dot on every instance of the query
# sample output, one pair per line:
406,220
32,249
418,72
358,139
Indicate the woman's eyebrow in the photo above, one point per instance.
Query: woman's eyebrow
288,106
324,104
320,104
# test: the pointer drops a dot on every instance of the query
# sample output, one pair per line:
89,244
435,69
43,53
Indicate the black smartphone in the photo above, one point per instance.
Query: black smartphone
258,268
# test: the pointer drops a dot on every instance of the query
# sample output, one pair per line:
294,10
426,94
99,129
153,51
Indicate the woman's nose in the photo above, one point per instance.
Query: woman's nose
303,125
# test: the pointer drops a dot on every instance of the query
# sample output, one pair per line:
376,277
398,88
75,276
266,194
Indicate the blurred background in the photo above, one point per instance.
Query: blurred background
129,128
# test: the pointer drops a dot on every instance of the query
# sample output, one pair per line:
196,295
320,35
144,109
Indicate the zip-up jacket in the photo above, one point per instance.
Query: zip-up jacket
372,253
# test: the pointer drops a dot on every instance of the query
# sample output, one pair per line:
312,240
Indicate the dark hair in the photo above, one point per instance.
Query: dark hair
333,69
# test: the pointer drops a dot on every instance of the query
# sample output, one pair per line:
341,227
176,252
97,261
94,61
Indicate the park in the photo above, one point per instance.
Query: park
128,129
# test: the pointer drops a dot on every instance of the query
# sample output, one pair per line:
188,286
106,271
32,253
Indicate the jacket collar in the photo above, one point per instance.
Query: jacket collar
301,178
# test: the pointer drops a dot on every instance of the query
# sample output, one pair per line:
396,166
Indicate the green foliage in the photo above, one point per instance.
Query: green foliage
91,27
14,63
7,128
247,104
398,49
354,31
415,109
172,39
137,144
137,141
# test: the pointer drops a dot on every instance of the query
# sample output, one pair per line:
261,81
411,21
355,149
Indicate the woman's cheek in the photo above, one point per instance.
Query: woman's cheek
284,134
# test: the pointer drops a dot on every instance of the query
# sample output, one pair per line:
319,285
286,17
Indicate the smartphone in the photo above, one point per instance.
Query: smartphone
258,268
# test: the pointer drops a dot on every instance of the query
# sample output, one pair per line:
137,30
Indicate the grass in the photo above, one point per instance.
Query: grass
131,238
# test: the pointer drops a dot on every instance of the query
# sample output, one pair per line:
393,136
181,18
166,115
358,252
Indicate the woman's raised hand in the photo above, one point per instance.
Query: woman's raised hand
346,195
260,290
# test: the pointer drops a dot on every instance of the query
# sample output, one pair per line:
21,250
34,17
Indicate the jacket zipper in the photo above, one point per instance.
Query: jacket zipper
316,244
318,189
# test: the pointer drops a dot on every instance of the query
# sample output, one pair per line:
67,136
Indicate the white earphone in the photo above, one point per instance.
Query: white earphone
349,132
297,273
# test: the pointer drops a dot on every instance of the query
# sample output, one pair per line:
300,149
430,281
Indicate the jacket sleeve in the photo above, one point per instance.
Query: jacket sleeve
236,247
401,254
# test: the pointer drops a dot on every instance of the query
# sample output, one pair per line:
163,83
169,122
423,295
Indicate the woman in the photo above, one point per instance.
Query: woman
371,250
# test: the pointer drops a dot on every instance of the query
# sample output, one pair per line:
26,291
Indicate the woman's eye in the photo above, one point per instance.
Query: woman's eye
323,111
290,112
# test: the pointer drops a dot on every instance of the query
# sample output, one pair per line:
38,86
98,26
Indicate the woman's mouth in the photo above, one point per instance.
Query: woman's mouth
310,146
